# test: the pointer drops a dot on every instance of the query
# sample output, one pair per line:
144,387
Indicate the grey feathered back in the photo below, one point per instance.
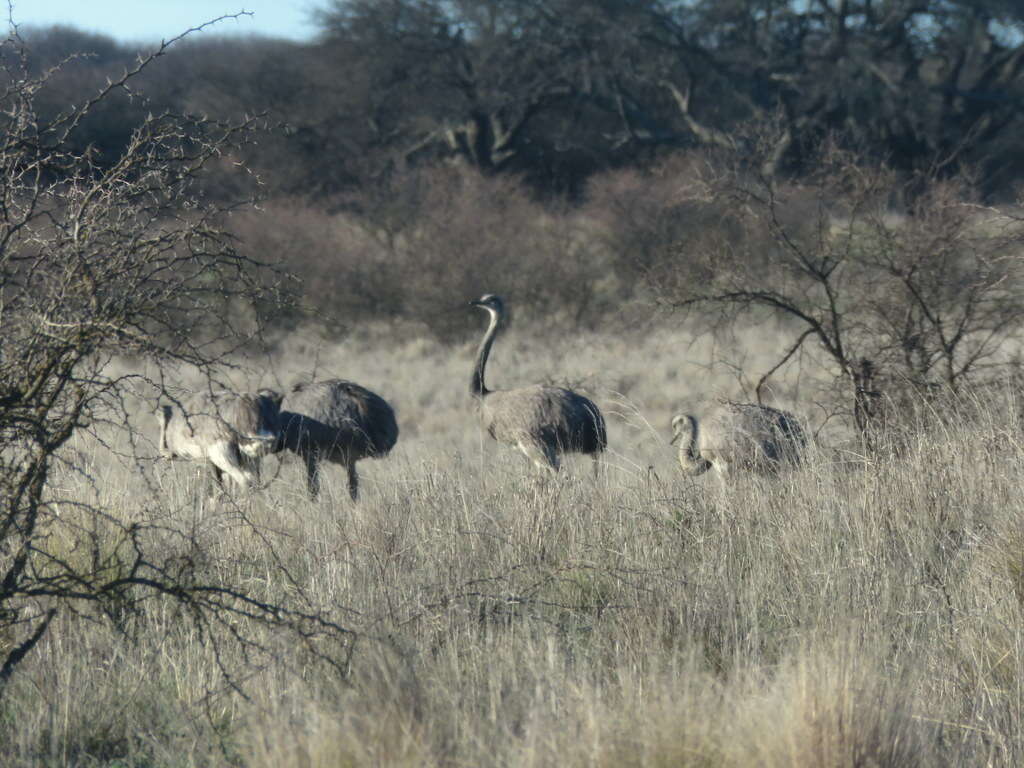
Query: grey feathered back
338,421
230,431
340,418
542,421
746,436
554,416
245,419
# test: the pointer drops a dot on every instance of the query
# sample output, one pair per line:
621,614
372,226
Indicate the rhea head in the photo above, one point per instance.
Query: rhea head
490,302
682,424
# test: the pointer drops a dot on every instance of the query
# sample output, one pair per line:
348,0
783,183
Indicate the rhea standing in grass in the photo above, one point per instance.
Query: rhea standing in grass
232,432
744,436
540,420
336,421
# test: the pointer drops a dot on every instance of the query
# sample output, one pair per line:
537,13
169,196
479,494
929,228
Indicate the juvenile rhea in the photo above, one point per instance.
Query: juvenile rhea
744,436
230,431
540,420
337,421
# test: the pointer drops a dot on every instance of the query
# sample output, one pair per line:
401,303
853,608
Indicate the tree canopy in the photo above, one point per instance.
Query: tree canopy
554,90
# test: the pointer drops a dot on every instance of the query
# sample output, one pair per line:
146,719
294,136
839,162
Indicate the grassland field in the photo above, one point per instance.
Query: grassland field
863,611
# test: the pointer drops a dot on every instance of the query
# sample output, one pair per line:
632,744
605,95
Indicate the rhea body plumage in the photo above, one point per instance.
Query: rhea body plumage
336,421
745,436
230,431
541,420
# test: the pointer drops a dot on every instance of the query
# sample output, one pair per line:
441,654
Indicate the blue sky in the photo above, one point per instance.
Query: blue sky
153,20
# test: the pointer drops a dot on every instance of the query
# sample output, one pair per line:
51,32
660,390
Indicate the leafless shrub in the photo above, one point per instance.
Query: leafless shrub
643,213
903,301
424,243
335,259
127,258
476,234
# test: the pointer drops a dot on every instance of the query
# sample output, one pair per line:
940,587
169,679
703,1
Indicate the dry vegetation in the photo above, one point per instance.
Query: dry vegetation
436,237
855,613
862,611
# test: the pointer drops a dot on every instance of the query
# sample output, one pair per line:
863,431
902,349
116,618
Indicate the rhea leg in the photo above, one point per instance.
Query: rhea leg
312,473
721,473
225,459
353,481
218,475
164,415
542,456
253,465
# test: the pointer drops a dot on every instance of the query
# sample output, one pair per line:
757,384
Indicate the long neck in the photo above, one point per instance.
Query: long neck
476,384
689,450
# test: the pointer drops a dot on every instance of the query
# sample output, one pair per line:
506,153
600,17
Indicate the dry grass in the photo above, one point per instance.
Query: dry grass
845,615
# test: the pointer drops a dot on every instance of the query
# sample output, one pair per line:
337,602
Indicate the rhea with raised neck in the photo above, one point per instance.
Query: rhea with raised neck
496,310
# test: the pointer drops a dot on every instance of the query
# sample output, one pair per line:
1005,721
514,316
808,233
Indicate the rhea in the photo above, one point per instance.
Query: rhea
231,432
745,436
542,421
337,421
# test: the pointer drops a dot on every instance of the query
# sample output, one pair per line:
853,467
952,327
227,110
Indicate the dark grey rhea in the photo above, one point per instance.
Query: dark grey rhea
542,421
231,432
337,421
747,436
